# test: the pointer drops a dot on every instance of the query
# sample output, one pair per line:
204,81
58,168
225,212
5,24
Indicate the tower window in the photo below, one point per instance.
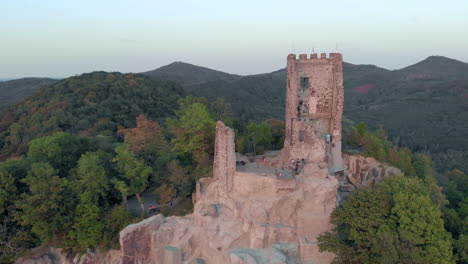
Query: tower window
301,136
304,82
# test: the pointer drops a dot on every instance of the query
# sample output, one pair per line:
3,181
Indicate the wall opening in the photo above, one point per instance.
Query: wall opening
301,136
304,82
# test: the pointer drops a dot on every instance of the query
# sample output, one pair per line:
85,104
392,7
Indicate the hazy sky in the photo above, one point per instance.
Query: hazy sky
62,38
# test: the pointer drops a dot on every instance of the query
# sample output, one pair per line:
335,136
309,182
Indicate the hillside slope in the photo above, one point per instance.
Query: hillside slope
90,104
14,91
423,106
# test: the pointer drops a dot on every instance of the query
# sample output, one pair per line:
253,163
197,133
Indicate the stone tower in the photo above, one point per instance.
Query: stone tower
314,109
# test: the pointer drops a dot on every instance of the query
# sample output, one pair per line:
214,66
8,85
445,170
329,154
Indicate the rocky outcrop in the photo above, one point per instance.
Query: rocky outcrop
361,172
366,171
255,225
243,216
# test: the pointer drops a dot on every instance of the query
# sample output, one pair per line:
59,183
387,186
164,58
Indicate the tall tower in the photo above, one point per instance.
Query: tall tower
314,109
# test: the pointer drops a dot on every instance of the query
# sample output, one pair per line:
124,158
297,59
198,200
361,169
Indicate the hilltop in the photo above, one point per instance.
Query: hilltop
187,73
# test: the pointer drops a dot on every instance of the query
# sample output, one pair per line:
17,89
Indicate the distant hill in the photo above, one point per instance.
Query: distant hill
186,73
423,106
437,68
13,91
97,103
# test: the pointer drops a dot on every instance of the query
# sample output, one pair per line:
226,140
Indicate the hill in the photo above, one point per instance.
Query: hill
437,68
97,103
13,91
423,106
186,73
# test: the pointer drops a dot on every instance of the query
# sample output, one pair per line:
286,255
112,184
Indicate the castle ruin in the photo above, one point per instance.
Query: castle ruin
265,210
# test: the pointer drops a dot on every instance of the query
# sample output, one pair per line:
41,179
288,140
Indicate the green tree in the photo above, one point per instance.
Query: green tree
420,228
94,172
179,177
461,246
455,184
393,222
277,132
133,175
115,219
39,208
8,190
194,131
13,237
259,134
88,224
61,150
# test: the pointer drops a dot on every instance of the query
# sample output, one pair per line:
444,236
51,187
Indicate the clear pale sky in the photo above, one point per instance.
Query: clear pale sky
63,38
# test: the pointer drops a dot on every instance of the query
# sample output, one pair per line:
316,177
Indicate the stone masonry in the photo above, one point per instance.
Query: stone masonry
314,108
224,164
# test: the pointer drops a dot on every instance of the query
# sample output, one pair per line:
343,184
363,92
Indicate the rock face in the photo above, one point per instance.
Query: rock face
362,171
241,217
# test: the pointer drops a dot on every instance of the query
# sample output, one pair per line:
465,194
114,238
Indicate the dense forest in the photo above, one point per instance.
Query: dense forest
95,104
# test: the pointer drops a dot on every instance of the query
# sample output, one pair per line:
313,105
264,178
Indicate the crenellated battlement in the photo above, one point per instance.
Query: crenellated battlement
315,57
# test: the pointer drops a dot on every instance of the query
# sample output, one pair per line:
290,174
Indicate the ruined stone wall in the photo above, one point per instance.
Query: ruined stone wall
224,165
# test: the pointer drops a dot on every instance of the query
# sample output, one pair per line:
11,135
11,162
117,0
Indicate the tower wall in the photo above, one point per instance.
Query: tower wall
314,108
